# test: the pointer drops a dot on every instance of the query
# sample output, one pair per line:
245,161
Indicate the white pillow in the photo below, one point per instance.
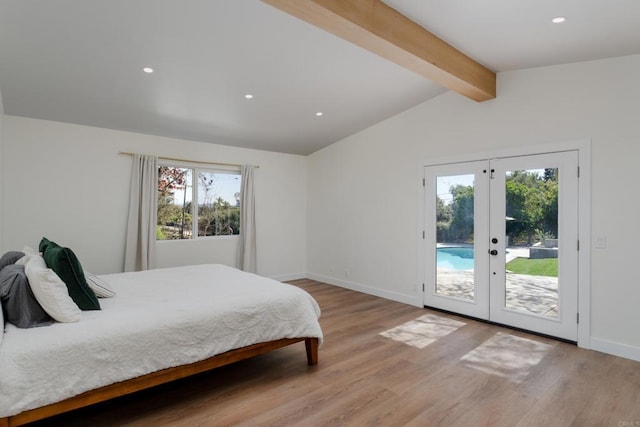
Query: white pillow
50,291
28,252
99,286
23,260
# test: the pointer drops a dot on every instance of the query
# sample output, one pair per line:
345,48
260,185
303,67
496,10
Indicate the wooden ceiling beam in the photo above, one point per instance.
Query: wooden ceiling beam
373,25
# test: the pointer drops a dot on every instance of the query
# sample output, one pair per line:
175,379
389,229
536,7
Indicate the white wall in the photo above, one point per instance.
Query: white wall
68,182
361,226
363,197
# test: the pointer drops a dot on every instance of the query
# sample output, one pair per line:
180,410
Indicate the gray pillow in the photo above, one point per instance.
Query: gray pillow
10,258
18,303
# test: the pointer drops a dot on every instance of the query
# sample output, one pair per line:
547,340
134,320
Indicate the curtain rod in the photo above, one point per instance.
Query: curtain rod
124,153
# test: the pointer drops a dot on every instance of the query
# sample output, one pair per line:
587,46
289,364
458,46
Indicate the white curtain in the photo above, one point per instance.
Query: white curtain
140,247
247,247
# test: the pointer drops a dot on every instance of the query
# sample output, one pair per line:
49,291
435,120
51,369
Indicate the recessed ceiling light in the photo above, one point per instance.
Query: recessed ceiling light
148,70
319,113
558,19
248,96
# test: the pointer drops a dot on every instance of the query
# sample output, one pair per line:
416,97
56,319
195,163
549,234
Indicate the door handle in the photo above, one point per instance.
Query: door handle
493,252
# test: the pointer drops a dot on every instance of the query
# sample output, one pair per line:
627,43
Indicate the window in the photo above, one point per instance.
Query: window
216,213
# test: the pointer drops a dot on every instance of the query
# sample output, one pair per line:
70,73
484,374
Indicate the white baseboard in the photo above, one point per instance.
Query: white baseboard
615,348
393,296
290,276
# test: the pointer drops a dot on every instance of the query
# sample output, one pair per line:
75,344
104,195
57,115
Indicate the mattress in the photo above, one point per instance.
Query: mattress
159,319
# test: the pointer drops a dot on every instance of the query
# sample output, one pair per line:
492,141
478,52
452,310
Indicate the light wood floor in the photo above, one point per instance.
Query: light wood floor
469,377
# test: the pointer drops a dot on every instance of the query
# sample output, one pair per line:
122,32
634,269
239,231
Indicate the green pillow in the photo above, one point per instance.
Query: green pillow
66,265
43,245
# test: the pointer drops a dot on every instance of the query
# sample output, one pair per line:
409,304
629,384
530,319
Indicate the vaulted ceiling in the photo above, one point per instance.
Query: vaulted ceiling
80,61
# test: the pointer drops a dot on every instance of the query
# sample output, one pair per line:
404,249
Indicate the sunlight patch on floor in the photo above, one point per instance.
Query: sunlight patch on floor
506,356
423,331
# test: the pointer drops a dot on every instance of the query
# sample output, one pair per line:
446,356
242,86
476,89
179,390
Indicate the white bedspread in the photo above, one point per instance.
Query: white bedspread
159,319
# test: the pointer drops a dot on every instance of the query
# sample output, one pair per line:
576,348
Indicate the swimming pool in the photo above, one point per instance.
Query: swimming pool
455,258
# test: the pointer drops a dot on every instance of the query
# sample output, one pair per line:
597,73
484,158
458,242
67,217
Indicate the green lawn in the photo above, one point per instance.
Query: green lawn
534,267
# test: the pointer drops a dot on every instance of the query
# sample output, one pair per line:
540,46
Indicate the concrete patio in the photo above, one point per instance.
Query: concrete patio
535,294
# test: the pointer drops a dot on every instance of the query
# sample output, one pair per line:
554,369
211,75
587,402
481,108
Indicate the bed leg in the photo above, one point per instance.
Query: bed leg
311,344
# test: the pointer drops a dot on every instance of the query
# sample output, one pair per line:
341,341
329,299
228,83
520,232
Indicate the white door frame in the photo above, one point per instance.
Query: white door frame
584,211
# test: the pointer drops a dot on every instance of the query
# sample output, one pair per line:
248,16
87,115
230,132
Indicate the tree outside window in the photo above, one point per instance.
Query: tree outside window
216,213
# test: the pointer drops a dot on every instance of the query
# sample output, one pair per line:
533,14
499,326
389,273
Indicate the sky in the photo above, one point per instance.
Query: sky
225,185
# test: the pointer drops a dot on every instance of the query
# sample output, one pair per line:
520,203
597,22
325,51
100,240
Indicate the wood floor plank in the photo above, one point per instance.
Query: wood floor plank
364,378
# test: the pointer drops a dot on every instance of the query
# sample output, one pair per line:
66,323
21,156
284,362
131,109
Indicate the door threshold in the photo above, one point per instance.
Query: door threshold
514,328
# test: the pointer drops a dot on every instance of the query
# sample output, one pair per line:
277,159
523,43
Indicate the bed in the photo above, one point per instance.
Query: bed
163,324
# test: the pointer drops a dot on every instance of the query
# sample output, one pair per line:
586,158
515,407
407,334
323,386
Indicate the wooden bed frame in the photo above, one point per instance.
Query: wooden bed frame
156,378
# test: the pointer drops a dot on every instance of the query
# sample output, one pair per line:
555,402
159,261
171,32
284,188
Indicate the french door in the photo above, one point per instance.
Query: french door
501,241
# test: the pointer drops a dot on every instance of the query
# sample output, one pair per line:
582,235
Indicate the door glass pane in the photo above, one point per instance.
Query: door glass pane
454,236
531,229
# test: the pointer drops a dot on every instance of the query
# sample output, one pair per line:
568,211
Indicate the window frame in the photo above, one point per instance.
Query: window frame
195,169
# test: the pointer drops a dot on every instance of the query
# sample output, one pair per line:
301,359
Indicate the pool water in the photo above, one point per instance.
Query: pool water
455,258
